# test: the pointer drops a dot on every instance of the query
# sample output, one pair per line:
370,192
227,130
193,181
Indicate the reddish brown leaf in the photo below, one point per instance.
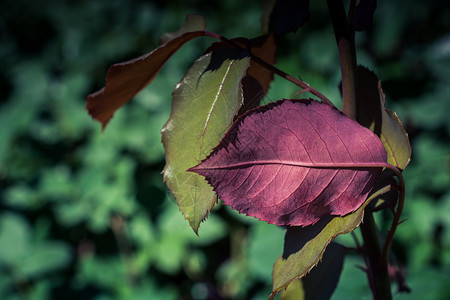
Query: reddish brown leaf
294,162
125,80
257,82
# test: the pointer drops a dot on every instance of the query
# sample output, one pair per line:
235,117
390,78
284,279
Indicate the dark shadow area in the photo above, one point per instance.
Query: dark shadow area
297,237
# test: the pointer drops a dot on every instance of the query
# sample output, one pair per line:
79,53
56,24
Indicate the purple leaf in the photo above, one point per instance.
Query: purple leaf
293,162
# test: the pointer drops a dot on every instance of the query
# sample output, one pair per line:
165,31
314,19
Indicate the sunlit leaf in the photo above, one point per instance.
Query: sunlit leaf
257,81
204,105
293,162
294,291
305,246
382,121
125,80
320,283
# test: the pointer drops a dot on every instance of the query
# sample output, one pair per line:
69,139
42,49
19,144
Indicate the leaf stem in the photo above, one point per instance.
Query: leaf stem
304,85
378,260
384,258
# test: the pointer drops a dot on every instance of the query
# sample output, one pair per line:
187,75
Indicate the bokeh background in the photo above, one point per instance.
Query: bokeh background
85,215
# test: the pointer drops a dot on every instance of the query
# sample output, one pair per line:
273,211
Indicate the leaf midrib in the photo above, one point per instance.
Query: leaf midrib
296,164
216,99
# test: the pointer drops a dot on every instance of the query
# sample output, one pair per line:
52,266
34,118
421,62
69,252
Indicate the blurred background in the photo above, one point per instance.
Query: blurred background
85,215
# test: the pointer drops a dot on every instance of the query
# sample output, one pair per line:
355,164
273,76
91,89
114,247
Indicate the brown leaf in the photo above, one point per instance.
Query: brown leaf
124,80
258,79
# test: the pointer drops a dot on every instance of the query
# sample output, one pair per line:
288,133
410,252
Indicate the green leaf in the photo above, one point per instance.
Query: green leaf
203,107
294,291
304,246
257,81
125,80
380,120
395,139
321,282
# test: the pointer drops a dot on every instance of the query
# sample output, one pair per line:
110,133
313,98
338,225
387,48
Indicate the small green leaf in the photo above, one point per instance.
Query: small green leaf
385,123
395,139
203,107
303,251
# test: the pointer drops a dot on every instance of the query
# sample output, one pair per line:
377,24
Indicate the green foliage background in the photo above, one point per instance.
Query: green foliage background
85,215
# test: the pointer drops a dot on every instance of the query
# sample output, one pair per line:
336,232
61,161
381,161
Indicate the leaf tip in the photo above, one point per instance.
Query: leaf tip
195,224
95,110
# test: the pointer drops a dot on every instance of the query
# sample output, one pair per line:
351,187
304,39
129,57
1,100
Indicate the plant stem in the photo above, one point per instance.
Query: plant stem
345,38
378,274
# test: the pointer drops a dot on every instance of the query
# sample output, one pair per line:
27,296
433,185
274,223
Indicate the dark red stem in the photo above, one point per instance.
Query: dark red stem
345,38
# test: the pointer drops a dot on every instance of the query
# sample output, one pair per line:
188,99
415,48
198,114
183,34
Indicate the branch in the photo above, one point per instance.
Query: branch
345,38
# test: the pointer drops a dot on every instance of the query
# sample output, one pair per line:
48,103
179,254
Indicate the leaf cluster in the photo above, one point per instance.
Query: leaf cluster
268,167
63,183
